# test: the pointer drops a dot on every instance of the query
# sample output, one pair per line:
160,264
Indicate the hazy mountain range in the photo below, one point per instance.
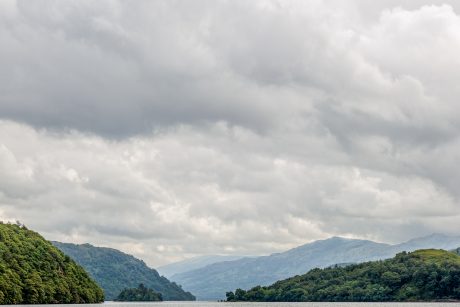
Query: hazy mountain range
193,264
212,281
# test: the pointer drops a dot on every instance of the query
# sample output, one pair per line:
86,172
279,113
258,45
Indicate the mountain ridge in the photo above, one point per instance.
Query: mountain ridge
189,264
212,281
114,271
422,275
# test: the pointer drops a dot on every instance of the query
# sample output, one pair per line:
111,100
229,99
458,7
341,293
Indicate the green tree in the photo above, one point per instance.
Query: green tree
423,275
33,271
139,294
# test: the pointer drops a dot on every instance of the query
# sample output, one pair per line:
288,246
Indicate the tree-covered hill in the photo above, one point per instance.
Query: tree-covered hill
115,271
423,275
33,271
212,281
139,294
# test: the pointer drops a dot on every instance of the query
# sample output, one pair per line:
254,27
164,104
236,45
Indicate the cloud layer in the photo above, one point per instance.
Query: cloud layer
169,129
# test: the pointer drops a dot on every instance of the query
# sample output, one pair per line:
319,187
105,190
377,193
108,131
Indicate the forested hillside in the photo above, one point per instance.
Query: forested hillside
212,281
423,275
33,271
115,271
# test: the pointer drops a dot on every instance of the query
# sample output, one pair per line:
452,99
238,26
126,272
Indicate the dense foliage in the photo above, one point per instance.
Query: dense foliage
33,271
115,271
423,275
139,294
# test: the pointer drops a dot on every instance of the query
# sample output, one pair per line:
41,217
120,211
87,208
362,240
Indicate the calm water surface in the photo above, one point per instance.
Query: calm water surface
217,304
220,304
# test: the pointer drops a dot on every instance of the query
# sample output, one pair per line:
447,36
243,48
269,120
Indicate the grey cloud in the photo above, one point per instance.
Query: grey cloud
121,69
175,189
115,73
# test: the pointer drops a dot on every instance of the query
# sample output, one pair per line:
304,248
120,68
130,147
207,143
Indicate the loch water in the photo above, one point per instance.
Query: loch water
271,304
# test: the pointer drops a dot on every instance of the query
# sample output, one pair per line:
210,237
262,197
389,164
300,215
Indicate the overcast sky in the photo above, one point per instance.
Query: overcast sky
170,129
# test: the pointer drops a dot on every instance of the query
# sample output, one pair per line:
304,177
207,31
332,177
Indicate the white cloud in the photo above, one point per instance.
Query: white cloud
193,191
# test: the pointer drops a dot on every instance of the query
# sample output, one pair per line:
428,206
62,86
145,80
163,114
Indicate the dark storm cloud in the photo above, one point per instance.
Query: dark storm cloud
118,68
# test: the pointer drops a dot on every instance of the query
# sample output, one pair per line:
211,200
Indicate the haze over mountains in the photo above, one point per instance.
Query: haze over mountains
193,264
212,281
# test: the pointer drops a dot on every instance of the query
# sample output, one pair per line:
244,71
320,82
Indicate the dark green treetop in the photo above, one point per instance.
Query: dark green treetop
139,294
33,271
423,275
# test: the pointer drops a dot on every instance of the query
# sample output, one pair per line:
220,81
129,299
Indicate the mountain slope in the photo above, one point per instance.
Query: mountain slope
423,275
33,271
115,271
435,240
211,282
193,264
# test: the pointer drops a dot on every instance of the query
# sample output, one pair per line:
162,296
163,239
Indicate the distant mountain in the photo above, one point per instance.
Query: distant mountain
212,281
33,271
435,240
423,275
193,264
115,271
